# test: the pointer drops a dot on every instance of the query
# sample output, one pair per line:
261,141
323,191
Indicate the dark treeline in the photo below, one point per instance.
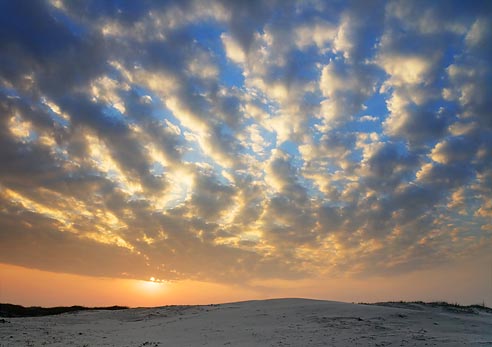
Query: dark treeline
10,310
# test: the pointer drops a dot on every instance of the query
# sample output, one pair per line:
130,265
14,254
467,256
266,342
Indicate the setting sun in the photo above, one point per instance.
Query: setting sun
152,287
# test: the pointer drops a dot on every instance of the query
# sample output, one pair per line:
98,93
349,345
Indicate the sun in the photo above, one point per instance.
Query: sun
152,286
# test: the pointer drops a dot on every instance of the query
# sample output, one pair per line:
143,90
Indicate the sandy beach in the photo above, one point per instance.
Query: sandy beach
280,322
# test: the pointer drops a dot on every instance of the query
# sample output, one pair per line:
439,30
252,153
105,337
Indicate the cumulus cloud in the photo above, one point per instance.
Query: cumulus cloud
231,141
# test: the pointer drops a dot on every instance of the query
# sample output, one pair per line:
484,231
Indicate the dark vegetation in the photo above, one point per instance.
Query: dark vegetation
420,305
9,310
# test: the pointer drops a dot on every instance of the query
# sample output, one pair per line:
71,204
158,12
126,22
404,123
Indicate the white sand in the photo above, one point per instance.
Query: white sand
282,322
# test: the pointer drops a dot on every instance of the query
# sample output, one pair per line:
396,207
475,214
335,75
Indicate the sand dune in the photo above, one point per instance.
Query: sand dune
280,322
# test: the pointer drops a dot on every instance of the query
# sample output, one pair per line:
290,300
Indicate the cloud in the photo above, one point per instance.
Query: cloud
316,32
453,150
232,141
413,123
233,50
346,88
210,198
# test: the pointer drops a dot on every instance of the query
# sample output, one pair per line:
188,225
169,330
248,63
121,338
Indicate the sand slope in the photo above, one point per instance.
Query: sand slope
281,322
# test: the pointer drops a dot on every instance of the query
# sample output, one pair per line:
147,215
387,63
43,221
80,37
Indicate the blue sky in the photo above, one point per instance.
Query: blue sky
237,141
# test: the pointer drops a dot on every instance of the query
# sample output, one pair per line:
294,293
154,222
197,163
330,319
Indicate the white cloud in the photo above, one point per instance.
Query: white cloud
405,69
478,33
368,118
319,33
346,88
233,50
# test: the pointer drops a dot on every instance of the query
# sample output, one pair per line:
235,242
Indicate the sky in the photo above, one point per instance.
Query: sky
169,152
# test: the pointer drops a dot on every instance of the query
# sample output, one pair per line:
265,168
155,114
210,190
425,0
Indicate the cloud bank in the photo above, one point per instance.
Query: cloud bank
236,141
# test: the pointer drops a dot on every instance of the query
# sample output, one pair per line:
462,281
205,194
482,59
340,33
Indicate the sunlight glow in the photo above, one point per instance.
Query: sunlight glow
153,287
